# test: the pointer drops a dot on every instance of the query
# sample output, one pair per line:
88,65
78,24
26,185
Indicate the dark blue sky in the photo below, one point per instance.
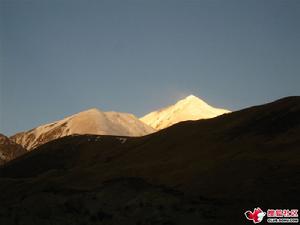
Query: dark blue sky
59,57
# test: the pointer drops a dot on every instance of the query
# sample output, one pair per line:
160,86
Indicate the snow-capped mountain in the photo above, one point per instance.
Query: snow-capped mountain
92,121
190,108
9,149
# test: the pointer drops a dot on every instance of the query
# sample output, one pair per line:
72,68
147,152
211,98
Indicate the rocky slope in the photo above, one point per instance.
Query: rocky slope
9,150
190,108
92,121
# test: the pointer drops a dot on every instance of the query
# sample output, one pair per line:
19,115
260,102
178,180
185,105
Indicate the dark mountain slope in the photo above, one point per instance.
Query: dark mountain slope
202,172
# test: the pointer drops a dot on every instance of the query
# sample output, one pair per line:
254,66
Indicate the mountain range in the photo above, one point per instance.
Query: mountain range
195,172
95,121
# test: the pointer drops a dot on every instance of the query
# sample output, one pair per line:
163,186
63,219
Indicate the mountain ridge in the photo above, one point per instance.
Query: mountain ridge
91,121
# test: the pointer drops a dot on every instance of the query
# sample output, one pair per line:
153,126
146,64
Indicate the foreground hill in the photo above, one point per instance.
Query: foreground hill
9,150
195,172
92,121
190,108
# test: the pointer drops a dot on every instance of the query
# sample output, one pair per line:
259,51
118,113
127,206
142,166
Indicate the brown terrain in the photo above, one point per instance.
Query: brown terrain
9,150
195,172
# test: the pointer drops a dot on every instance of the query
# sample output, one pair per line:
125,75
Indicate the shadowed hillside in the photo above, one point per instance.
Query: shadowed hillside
195,172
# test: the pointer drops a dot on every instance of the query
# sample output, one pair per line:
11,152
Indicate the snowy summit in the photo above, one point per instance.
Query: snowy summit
92,121
189,108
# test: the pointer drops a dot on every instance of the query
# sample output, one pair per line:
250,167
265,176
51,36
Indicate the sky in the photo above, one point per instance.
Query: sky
59,57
